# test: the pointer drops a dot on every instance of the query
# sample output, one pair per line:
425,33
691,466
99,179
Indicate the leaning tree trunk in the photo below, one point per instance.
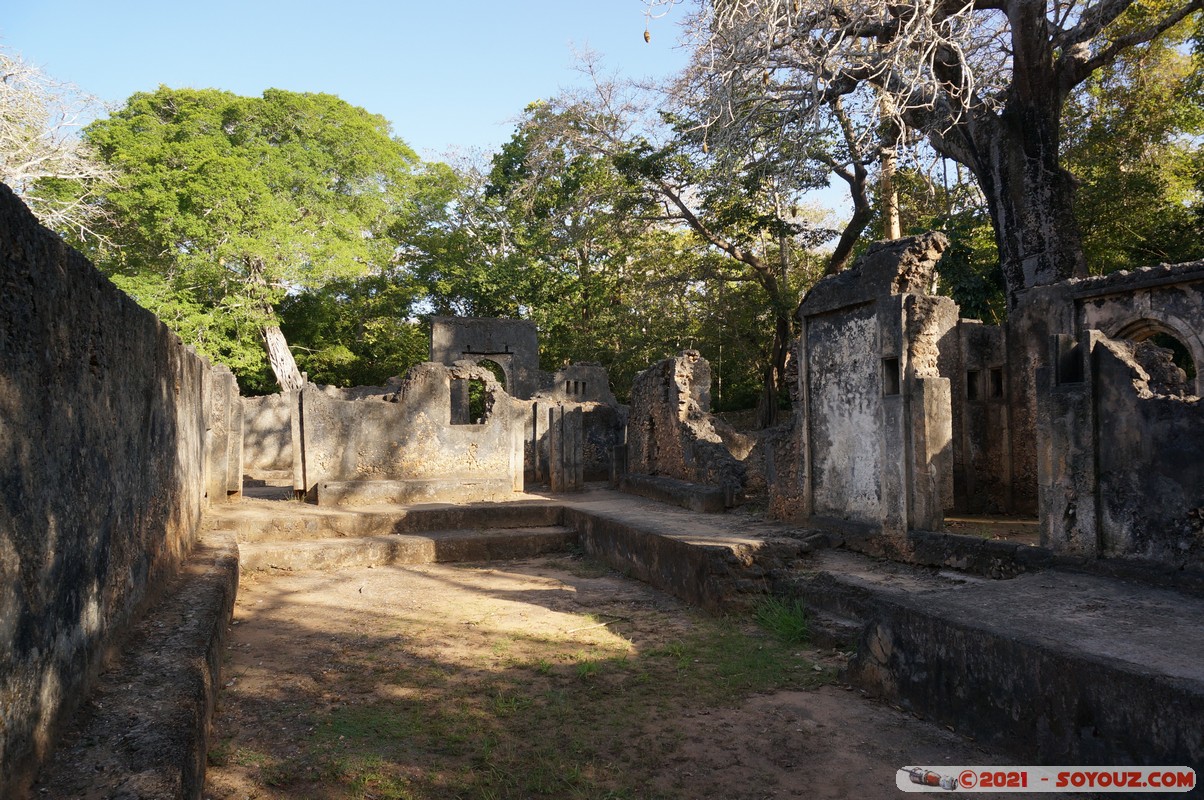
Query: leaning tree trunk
281,359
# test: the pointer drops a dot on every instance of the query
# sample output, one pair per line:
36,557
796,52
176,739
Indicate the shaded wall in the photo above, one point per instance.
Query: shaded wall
1139,304
102,453
671,432
267,433
1122,466
974,357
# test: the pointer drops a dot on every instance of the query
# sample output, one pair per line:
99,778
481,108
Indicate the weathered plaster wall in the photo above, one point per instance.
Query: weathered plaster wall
845,414
872,427
1128,304
102,453
671,432
410,435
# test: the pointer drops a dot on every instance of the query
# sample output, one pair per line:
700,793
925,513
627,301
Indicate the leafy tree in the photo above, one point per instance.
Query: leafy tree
1133,135
356,332
743,201
969,268
552,230
227,204
985,82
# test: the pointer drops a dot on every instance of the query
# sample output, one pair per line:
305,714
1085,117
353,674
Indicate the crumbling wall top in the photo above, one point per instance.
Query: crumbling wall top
898,266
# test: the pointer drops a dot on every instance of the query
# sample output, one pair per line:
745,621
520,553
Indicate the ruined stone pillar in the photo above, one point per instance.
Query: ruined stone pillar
1066,444
223,456
234,459
566,463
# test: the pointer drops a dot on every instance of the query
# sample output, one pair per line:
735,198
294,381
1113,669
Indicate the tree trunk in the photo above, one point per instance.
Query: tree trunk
1014,155
281,359
775,371
1031,200
892,227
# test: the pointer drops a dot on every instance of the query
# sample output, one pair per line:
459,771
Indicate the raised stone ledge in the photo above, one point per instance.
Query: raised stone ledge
1130,280
413,490
143,734
691,496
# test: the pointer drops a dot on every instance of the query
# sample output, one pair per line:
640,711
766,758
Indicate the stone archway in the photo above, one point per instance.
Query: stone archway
499,364
1170,332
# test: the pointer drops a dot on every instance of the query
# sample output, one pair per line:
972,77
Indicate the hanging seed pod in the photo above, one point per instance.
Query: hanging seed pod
647,35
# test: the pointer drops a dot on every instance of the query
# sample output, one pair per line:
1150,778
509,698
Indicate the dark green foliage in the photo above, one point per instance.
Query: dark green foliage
357,332
1133,142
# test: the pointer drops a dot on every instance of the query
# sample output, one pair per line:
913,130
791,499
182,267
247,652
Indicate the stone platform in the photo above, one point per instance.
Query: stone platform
1052,665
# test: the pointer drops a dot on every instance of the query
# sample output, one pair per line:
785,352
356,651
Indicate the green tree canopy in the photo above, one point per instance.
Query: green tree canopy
1133,142
226,204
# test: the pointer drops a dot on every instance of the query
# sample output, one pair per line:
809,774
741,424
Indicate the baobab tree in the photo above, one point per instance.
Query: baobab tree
984,81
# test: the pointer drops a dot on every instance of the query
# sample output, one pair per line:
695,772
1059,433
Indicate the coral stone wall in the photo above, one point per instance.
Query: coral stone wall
102,437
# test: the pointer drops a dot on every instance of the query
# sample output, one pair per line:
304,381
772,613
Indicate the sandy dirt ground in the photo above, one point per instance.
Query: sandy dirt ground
322,666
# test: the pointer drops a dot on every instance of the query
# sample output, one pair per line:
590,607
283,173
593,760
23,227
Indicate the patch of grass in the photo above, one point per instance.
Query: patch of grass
562,715
376,722
582,565
785,618
506,704
219,754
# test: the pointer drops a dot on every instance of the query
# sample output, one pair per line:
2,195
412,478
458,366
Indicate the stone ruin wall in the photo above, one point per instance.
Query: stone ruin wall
267,434
1120,426
869,448
671,432
404,430
102,450
411,434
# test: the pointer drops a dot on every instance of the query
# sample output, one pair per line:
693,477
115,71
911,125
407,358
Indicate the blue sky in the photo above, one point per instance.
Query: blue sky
446,74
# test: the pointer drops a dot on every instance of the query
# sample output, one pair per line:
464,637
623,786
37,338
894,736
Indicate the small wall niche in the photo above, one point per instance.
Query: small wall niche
974,385
997,385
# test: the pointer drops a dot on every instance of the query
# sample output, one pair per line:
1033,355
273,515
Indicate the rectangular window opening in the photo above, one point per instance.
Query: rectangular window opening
470,402
997,383
890,376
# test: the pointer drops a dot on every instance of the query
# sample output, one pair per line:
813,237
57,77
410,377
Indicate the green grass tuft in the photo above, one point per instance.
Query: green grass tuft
785,618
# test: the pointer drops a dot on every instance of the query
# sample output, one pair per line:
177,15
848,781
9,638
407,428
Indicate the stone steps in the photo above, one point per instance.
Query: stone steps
290,521
426,548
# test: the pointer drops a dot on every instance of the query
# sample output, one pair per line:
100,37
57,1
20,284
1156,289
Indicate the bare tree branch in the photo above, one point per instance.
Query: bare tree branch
40,120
